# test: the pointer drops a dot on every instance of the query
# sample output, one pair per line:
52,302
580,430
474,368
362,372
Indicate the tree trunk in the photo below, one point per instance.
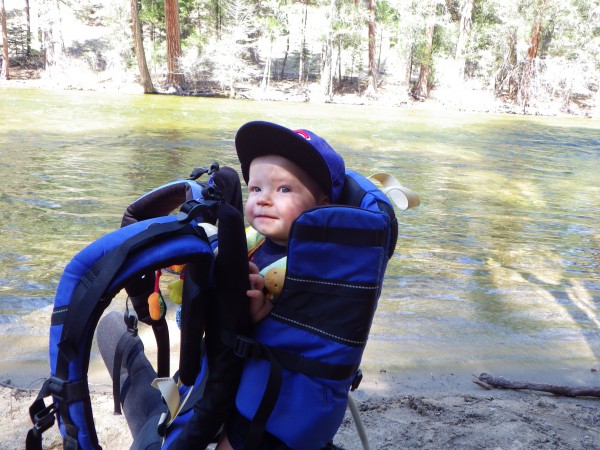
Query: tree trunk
532,52
372,84
266,78
466,13
421,90
287,50
140,54
302,61
28,30
175,76
4,73
52,38
327,66
489,381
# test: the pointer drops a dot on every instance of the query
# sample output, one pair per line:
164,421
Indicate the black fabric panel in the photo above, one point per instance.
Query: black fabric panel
59,315
342,236
352,194
335,312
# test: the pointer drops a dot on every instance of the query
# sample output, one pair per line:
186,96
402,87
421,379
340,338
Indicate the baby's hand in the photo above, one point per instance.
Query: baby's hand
259,306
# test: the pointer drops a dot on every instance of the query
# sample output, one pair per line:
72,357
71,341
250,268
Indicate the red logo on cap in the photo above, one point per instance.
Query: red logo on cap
303,133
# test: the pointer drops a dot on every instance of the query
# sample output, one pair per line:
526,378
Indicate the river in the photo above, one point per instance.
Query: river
498,267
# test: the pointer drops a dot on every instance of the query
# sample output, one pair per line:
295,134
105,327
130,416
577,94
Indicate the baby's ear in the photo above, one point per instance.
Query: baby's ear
324,200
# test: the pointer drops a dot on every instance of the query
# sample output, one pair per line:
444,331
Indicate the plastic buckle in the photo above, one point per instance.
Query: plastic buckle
43,419
192,209
358,376
57,387
163,421
243,347
132,324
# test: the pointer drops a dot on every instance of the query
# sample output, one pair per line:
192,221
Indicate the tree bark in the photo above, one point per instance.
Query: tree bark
140,54
327,57
53,43
287,50
372,84
28,31
466,22
175,76
567,391
302,62
532,52
421,90
4,73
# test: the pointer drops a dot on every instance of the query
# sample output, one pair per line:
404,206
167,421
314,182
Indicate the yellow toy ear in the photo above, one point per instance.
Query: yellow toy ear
176,291
274,280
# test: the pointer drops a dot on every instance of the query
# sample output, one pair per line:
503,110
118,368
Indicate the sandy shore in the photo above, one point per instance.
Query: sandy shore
398,411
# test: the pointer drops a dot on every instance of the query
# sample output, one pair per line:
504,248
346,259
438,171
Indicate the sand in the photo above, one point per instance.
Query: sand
423,411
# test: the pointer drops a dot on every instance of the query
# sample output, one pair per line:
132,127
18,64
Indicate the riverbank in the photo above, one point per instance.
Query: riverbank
472,96
398,411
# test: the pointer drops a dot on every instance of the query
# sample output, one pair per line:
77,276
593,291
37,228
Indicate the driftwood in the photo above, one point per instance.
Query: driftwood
488,381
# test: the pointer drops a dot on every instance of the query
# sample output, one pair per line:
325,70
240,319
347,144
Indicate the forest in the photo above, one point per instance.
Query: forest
534,55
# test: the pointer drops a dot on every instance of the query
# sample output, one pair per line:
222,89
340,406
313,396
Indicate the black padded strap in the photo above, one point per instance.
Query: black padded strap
163,359
342,236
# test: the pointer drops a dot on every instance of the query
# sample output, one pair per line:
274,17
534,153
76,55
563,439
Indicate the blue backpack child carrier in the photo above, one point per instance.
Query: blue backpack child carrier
290,375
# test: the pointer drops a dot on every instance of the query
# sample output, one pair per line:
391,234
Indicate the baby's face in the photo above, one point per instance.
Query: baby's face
278,192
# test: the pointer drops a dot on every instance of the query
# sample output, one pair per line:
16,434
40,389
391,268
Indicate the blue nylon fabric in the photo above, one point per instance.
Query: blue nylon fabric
275,333
308,412
373,193
326,265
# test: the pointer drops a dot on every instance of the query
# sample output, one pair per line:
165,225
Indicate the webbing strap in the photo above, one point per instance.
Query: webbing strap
42,416
247,348
123,348
267,403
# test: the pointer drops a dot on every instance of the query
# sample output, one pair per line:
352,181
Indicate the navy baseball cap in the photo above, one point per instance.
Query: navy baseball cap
302,147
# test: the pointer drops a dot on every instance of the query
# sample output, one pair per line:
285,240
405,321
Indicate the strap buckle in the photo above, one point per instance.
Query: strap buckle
358,376
57,387
44,419
192,209
244,347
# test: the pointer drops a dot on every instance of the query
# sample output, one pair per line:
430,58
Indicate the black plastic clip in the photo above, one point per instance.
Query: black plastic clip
43,420
244,347
58,388
358,376
192,209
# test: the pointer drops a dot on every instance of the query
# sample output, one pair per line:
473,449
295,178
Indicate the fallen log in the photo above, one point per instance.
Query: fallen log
489,381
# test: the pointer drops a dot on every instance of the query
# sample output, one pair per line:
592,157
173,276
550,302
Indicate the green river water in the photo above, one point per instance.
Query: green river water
498,267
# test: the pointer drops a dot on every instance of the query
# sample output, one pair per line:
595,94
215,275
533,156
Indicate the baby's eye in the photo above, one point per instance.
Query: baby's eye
254,189
285,189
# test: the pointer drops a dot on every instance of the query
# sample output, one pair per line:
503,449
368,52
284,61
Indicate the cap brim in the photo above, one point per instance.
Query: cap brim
260,138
